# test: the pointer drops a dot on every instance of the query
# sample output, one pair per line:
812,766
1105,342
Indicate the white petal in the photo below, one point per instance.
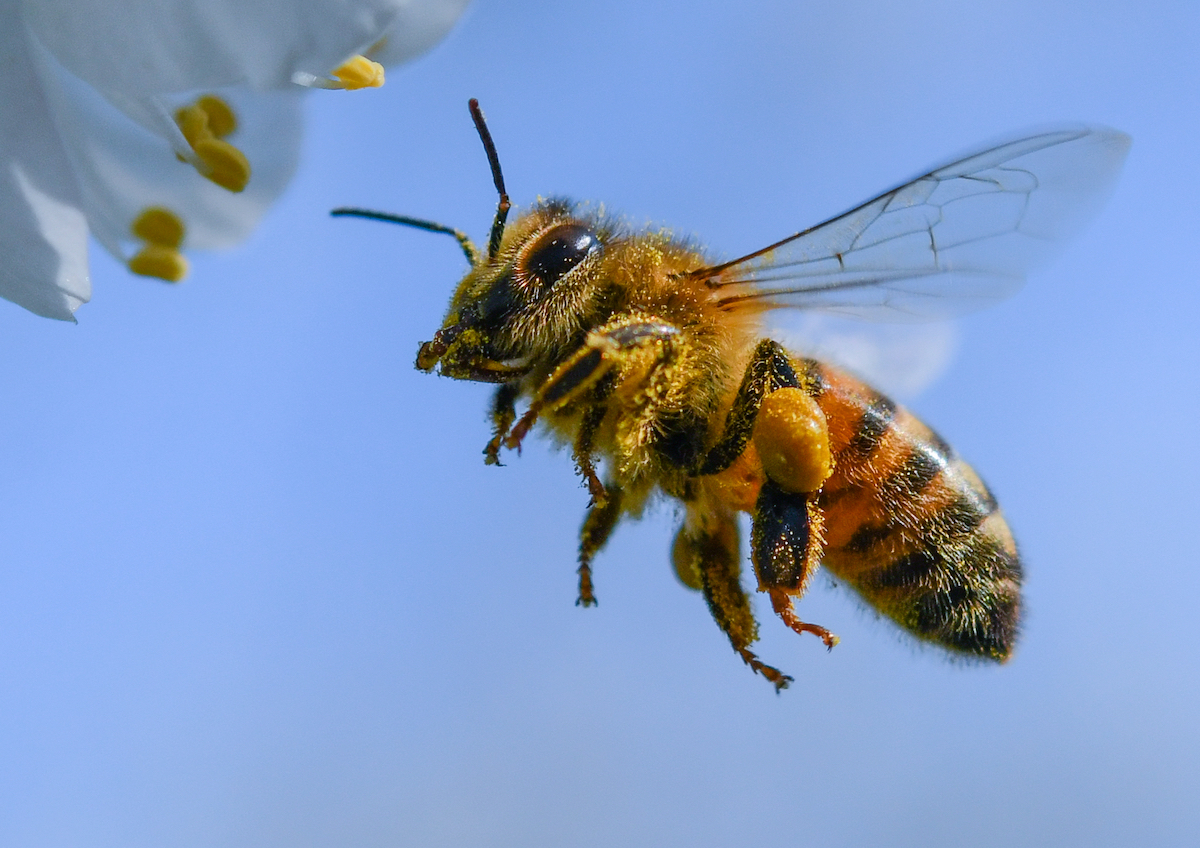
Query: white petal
122,168
140,48
43,235
417,27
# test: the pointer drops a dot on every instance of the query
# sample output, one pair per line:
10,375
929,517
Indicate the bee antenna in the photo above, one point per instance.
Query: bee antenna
497,177
464,242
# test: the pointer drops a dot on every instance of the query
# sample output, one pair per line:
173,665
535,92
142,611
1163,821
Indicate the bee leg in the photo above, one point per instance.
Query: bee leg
781,602
504,412
769,369
709,560
518,433
603,351
601,518
583,453
785,545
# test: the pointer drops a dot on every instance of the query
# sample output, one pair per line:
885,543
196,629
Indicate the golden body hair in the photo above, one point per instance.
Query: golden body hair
650,361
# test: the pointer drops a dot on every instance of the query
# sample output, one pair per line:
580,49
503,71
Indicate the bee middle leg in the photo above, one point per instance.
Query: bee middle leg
584,445
602,517
504,412
709,560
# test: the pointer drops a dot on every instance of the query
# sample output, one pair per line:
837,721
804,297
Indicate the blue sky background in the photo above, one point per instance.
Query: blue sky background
257,587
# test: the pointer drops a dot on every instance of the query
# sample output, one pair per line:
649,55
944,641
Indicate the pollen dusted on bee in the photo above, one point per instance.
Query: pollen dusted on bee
651,362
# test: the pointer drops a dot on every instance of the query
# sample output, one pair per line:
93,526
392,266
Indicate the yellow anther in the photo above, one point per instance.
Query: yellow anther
159,226
193,123
221,120
225,164
163,232
204,124
359,72
155,260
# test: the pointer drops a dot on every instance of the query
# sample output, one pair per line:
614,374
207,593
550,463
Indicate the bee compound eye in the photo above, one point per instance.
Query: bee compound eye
559,250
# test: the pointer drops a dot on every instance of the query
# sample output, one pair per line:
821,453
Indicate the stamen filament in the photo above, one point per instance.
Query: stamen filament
358,72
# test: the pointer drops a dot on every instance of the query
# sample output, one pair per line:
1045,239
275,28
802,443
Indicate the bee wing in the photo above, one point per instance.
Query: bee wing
899,359
954,239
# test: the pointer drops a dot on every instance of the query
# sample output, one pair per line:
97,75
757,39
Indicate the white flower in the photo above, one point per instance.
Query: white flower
156,125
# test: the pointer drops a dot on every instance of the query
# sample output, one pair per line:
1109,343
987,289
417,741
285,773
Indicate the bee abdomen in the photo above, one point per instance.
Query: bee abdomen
962,593
913,529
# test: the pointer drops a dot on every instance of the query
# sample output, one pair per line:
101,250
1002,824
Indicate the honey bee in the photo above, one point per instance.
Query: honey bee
650,360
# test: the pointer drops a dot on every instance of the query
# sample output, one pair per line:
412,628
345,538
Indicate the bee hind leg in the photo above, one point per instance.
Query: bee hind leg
774,405
781,602
770,369
786,545
710,561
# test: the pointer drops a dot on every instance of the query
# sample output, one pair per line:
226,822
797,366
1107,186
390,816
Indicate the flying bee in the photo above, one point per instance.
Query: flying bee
650,360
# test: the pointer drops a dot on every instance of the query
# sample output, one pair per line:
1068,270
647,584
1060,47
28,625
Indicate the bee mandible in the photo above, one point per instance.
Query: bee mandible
649,359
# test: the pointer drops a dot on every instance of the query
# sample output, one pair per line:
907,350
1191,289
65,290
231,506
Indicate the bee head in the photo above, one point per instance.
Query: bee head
503,314
517,303
522,301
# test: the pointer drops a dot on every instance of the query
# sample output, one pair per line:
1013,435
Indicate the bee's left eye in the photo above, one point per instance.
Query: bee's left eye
557,251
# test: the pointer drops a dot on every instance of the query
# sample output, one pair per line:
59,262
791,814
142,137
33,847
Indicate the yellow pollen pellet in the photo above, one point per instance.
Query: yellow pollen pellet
221,120
792,439
684,558
160,226
359,72
155,260
227,166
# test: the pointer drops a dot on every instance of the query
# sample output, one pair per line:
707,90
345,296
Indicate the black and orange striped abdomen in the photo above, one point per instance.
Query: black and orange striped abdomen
910,526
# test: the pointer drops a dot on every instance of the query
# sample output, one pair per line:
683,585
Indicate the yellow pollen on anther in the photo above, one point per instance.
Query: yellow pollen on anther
160,226
165,263
359,72
221,120
193,123
204,124
226,165
163,232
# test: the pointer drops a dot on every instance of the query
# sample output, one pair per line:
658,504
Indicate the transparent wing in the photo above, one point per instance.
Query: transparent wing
899,359
952,240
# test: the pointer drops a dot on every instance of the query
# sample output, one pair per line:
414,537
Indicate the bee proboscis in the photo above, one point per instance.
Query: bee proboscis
650,360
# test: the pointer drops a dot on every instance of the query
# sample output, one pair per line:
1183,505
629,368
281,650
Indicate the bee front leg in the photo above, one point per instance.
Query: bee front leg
504,412
710,560
604,350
